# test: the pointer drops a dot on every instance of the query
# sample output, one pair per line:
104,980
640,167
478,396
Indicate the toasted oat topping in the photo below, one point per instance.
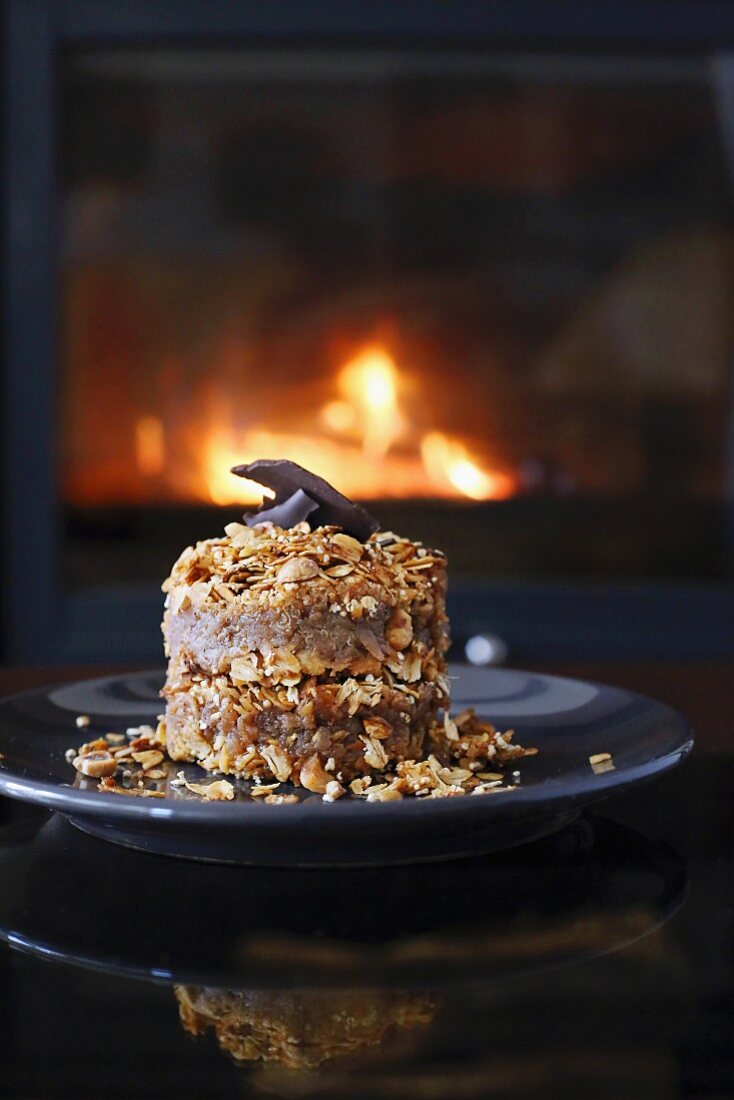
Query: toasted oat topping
264,565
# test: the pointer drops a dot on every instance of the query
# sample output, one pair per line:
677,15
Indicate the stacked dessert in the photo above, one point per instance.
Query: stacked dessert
304,645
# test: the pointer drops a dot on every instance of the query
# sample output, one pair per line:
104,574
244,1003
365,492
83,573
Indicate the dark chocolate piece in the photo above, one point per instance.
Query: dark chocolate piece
294,509
286,479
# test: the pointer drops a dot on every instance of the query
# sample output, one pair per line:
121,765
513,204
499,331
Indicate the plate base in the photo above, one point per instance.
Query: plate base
495,835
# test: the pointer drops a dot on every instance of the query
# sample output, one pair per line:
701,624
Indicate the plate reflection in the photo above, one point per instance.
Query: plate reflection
451,979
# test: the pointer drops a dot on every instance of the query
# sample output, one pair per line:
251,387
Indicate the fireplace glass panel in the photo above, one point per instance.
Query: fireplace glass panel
490,294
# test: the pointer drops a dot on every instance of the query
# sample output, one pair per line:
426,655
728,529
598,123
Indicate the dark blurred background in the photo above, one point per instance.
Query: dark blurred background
474,266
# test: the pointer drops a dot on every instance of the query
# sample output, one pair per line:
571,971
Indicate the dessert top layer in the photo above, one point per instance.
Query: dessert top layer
268,567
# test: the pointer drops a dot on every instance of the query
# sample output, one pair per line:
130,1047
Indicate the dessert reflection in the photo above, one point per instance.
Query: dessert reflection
304,1030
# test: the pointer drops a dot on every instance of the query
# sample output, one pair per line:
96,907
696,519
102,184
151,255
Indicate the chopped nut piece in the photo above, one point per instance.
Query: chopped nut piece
399,632
96,764
313,776
333,791
82,720
296,570
98,745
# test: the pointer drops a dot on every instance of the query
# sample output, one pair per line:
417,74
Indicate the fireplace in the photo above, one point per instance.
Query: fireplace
478,276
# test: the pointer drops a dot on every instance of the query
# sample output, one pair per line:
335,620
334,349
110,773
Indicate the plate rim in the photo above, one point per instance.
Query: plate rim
585,789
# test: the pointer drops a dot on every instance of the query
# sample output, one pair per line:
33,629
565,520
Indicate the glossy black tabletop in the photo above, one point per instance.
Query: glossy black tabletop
595,963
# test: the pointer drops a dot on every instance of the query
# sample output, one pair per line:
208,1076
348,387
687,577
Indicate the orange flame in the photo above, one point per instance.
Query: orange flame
369,383
447,460
362,440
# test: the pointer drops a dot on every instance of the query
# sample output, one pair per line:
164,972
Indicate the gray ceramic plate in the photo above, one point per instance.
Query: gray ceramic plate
567,720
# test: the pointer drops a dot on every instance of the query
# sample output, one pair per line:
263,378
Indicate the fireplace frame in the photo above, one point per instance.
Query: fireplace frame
42,622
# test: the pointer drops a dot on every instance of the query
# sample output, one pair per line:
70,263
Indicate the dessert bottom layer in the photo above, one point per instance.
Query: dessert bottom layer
321,731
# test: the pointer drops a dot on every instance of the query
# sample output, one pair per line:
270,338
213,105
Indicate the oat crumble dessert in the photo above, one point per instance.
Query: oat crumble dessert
306,646
303,655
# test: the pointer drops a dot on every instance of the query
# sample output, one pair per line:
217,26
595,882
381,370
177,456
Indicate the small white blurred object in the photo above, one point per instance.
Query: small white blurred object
486,649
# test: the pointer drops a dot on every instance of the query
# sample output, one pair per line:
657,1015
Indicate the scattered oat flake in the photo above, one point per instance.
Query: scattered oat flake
262,790
388,794
148,758
600,757
219,791
111,786
280,799
359,786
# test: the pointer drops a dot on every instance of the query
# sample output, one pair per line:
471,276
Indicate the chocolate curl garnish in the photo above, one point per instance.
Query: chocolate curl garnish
294,509
301,495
